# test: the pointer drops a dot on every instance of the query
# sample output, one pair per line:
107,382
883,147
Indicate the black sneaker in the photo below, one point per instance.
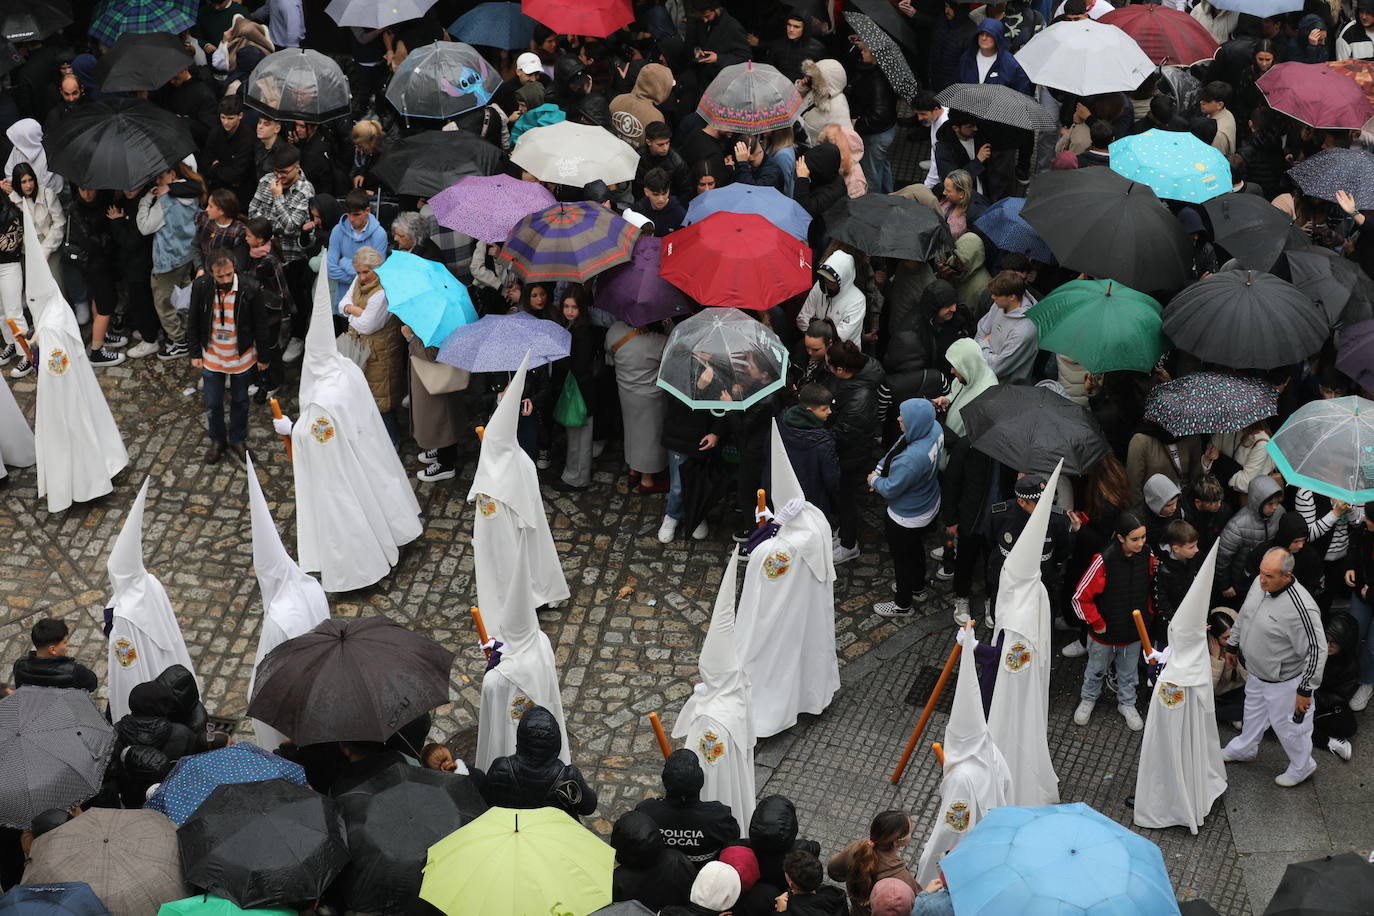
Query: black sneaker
103,357
436,471
23,369
7,353
176,350
742,536
116,341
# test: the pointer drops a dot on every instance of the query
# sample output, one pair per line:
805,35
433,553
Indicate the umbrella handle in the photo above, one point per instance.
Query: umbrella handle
660,735
481,432
286,440
938,750
925,713
19,339
482,638
1142,632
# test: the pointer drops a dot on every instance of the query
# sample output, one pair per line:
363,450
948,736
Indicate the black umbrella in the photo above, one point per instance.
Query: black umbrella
999,104
623,908
1029,429
54,745
427,163
1245,319
705,482
1109,227
264,844
1252,230
888,226
392,819
1323,174
1197,907
117,144
357,679
1329,886
1328,279
30,20
889,20
141,61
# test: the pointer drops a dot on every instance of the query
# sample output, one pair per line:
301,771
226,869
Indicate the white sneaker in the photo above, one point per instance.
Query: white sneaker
700,532
1361,698
938,553
961,614
668,530
1288,782
844,554
142,349
1133,720
1084,712
1339,746
294,348
944,575
1074,650
1227,757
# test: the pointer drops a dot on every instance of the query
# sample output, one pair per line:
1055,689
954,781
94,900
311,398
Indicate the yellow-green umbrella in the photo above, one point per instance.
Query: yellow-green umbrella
538,861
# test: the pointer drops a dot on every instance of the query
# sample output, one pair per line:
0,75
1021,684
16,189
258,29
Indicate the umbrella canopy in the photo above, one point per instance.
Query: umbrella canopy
208,905
10,58
117,144
1245,319
30,20
1252,230
624,908
495,25
1166,35
128,857
350,679
1330,886
392,820
569,242
1361,71
195,776
1356,355
1085,57
1323,174
370,14
112,18
424,164
737,259
1261,9
1176,165
888,226
721,359
1108,226
69,898
1327,446
636,293
1003,226
1197,908
262,844
299,84
575,154
999,104
749,98
488,207
593,18
770,203
142,62
54,745
890,58
1056,859
1029,429
509,861
881,12
1101,325
442,80
1327,278
1210,402
497,343
1316,95
425,296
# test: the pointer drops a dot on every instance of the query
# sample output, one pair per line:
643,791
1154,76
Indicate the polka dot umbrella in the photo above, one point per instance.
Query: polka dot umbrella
885,51
1175,165
194,777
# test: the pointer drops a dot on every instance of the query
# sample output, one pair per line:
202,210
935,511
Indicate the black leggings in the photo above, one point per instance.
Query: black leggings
907,547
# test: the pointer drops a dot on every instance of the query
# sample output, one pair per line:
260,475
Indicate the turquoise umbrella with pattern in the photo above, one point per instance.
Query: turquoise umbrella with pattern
1176,165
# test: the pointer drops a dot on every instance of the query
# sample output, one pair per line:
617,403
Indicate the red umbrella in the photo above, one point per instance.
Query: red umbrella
736,259
1316,95
1167,36
1361,71
597,18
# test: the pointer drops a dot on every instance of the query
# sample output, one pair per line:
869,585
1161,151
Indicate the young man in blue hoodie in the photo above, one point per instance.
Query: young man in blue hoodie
356,228
908,478
989,61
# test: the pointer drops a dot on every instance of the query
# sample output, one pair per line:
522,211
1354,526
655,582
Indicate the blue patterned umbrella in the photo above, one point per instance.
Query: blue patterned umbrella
70,898
496,25
113,18
770,203
1176,165
497,343
1004,227
424,295
195,777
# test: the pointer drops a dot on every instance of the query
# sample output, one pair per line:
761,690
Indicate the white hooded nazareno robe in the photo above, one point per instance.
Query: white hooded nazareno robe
1019,717
354,505
293,603
145,639
786,620
716,721
509,521
16,438
976,776
77,444
1181,771
525,676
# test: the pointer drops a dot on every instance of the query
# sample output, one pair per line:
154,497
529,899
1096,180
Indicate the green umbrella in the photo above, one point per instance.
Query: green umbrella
207,905
1101,325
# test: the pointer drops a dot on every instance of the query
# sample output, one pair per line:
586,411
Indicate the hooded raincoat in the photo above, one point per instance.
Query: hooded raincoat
1004,71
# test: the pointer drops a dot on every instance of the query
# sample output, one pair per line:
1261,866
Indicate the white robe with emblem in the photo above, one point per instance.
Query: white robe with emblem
716,721
16,438
786,620
77,445
1181,772
146,639
355,508
1019,717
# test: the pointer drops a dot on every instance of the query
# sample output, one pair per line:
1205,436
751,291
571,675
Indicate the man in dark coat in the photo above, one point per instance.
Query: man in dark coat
717,38
698,829
646,870
228,158
796,45
191,99
811,447
534,777
48,665
818,188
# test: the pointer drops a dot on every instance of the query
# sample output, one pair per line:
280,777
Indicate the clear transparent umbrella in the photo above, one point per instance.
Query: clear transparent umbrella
299,84
442,80
722,359
1328,447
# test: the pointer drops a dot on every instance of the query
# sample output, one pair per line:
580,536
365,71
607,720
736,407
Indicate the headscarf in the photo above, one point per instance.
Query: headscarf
966,356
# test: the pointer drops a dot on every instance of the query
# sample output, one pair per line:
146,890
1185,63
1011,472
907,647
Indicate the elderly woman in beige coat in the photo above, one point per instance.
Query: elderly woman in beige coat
376,332
438,416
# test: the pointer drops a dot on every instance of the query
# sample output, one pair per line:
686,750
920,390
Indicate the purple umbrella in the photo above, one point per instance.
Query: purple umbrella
497,343
488,207
637,293
570,242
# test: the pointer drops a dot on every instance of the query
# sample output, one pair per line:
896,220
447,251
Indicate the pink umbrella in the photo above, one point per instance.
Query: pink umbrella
1316,95
488,208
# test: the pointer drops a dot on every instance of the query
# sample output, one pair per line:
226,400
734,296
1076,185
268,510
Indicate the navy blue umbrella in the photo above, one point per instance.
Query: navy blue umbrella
69,898
1004,227
496,25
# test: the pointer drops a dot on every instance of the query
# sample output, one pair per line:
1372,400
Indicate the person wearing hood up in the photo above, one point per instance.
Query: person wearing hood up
714,893
1292,535
819,187
356,229
148,740
646,870
918,339
1308,44
907,478
989,61
823,100
1163,504
1006,336
26,136
966,268
537,775
635,110
533,111
1333,724
700,828
794,48
835,296
772,835
1255,523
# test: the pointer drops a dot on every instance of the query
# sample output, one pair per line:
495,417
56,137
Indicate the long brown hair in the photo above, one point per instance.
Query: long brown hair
887,828
1108,485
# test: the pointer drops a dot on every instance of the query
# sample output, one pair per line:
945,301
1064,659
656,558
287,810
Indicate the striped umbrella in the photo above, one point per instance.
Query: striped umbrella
570,242
750,98
885,51
1210,402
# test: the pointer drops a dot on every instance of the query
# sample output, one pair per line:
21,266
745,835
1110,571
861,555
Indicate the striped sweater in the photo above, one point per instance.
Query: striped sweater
1280,636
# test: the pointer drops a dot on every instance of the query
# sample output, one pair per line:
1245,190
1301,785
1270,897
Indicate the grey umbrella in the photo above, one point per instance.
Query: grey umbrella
888,55
54,745
299,84
1000,104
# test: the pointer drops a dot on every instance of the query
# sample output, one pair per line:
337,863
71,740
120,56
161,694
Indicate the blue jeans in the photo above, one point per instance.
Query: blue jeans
876,164
1100,659
675,462
213,394
1363,614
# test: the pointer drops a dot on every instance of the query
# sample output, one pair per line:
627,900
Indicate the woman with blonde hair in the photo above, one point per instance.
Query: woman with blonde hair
367,137
376,332
851,147
962,205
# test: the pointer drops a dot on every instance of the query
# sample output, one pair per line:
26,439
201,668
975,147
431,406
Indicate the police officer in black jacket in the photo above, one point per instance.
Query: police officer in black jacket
698,829
1005,523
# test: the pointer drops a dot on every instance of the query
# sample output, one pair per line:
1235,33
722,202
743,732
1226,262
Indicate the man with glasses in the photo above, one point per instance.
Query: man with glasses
283,199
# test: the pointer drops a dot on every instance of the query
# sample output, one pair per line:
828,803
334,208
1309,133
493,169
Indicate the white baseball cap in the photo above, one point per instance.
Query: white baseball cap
529,63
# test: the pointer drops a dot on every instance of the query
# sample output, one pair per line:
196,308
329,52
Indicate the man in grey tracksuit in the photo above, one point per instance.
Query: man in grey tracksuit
1280,640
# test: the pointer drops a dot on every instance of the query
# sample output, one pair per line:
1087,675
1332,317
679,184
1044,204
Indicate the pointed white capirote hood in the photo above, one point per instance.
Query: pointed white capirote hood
784,479
40,288
125,565
504,472
292,597
723,694
1190,664
1022,603
322,358
966,735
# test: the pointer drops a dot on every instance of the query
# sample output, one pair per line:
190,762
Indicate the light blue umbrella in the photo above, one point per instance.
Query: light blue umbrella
197,775
497,343
1056,859
424,295
770,203
65,899
1175,165
496,25
1261,9
1327,446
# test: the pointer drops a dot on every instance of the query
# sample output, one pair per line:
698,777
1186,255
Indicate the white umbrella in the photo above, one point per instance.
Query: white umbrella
575,154
1085,57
